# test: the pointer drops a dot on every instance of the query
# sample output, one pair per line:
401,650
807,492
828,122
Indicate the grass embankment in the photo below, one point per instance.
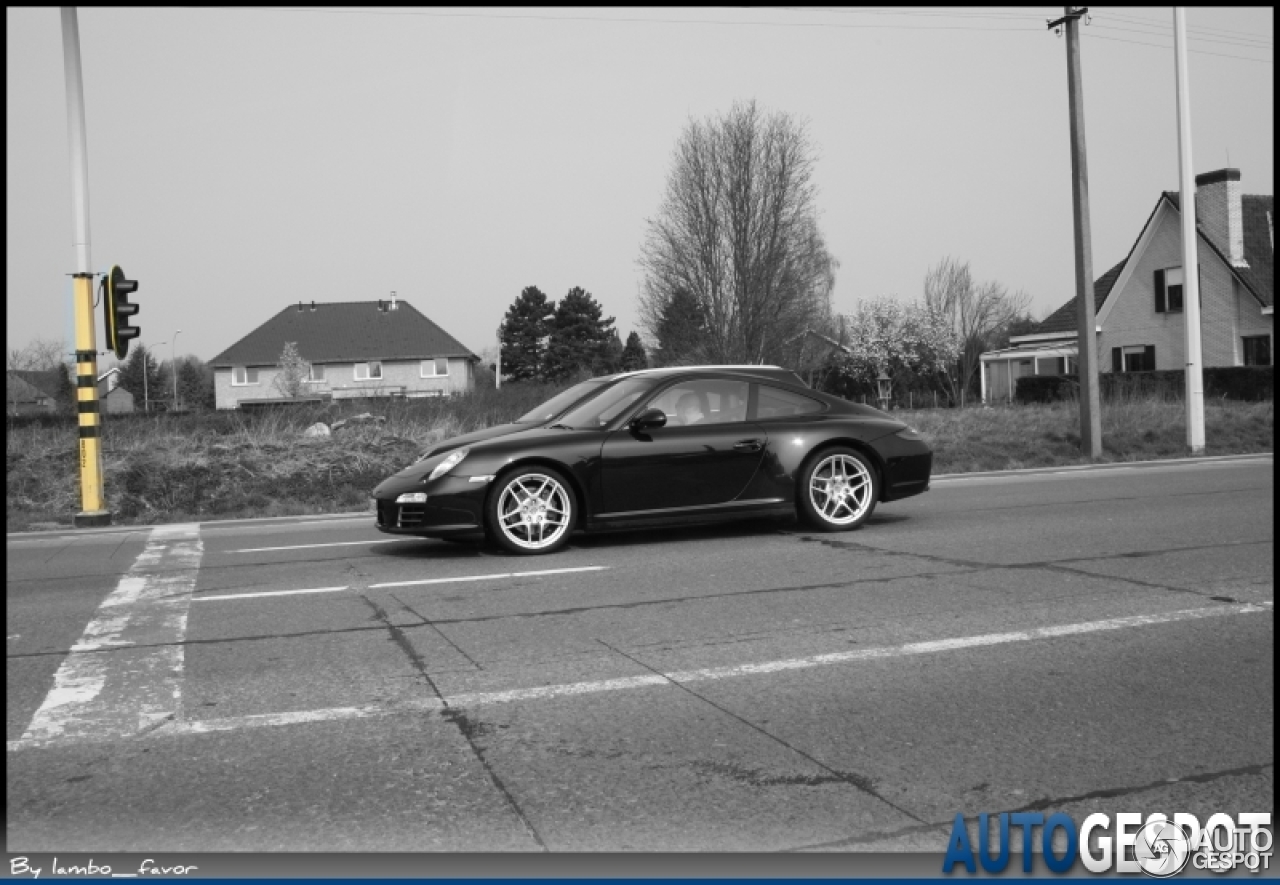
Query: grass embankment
177,468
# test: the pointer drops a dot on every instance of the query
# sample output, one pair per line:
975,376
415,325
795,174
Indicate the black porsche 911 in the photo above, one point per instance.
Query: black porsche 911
660,447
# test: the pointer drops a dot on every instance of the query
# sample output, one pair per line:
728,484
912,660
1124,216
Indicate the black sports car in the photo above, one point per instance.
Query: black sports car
660,447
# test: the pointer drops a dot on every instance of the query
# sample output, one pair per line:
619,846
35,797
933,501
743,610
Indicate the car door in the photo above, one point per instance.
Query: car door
681,465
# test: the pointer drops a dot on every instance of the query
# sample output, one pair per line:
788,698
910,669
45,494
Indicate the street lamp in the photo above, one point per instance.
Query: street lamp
885,383
173,366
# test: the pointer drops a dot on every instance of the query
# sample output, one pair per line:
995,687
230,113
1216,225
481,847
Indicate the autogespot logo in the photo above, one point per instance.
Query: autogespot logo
1158,846
1161,849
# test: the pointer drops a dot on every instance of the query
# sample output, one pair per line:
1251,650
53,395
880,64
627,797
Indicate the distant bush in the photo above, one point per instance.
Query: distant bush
1046,388
1243,383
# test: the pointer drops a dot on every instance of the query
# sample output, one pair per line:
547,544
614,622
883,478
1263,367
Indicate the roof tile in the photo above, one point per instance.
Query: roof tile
344,332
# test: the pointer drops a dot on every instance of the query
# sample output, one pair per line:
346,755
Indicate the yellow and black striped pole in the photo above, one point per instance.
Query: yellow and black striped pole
93,501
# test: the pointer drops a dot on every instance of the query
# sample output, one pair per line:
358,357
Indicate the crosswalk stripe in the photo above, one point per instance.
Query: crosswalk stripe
107,688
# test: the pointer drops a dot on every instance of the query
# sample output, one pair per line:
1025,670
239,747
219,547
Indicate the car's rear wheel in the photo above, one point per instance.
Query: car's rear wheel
531,511
838,489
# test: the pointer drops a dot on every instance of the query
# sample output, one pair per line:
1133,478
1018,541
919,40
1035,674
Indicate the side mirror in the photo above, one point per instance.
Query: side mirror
649,419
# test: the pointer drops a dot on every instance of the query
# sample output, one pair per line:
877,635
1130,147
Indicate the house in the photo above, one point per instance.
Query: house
356,349
113,398
28,391
1139,303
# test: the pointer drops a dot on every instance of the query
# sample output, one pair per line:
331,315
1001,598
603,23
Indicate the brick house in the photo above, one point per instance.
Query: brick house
356,349
1139,306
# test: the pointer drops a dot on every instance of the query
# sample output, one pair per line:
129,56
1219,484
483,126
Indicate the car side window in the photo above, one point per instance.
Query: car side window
703,401
774,402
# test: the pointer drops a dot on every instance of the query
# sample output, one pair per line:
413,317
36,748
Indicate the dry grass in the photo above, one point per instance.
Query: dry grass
171,468
1133,429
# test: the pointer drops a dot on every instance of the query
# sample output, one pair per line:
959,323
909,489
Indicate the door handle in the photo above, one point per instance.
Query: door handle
748,445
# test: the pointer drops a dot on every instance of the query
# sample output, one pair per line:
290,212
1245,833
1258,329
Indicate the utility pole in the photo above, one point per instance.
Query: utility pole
93,501
1086,322
1190,268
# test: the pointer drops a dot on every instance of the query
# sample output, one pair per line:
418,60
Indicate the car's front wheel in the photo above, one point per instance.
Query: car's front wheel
838,489
530,511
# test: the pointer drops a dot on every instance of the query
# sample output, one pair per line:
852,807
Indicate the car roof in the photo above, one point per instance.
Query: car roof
775,373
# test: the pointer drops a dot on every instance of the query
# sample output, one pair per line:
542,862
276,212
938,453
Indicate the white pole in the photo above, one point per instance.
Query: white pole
1190,268
79,148
173,366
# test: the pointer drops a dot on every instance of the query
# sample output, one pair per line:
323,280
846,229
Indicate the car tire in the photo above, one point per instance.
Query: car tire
530,511
838,489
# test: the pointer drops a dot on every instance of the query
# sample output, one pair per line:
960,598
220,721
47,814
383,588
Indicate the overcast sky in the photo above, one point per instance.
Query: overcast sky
241,160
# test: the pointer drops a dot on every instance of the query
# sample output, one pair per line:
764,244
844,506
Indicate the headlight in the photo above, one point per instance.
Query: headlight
454,459
909,433
412,498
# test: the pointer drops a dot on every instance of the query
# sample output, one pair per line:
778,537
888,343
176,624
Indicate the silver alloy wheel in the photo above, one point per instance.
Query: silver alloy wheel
840,489
534,511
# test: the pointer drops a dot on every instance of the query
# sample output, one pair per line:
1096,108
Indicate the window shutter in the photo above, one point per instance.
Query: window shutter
1117,360
1149,358
1160,291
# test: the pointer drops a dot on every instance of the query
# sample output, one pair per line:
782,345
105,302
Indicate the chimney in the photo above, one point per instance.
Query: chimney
313,305
1218,212
299,307
393,300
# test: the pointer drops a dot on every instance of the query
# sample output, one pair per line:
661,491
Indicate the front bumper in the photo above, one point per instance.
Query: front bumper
454,506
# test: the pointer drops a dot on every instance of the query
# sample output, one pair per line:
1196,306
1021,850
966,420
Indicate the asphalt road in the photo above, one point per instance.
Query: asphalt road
1076,640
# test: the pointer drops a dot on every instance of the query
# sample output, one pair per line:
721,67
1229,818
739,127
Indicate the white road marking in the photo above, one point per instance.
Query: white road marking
111,694
477,699
312,546
550,571
268,593
453,580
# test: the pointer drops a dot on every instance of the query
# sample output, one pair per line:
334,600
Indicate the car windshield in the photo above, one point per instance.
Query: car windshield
562,401
600,410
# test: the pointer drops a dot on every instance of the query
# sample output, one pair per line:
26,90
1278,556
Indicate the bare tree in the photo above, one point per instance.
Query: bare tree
976,311
738,229
38,355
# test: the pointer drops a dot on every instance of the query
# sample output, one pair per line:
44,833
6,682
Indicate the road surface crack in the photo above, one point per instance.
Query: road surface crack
858,782
427,622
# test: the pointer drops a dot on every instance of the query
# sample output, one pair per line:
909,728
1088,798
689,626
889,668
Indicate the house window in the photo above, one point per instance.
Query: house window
436,368
1168,286
316,374
241,376
1257,350
371,371
1138,358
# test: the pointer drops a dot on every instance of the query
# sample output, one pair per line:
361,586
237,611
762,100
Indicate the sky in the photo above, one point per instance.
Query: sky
244,159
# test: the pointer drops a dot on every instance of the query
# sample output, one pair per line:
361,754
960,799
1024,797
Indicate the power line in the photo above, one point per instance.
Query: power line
581,18
1266,61
1231,41
1150,21
599,18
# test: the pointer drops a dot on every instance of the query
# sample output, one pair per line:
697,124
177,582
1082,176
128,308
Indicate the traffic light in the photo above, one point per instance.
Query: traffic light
117,311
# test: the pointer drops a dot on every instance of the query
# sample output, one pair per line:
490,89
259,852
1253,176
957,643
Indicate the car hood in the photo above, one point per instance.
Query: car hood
475,436
465,439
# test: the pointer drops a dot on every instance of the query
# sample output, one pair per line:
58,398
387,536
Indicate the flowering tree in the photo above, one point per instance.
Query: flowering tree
294,370
913,345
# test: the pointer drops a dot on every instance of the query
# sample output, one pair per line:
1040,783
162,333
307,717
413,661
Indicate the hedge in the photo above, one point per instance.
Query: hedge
1248,383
